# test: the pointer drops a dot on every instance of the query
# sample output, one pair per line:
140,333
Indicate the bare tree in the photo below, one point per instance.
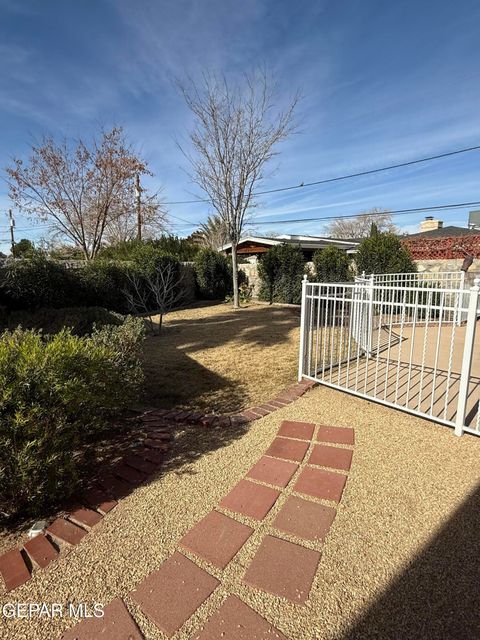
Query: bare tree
79,189
157,294
360,226
123,225
236,132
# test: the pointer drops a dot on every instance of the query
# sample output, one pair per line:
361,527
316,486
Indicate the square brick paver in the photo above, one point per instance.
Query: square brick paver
300,430
331,457
66,531
250,499
169,596
116,624
13,569
217,538
321,484
40,550
288,449
305,519
276,472
283,569
236,621
339,435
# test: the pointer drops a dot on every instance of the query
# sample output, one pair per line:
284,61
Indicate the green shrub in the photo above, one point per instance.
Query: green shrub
55,392
181,248
332,265
213,274
39,282
80,320
102,283
383,253
281,270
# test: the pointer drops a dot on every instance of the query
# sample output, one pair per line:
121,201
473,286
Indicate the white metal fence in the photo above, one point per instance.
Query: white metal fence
401,343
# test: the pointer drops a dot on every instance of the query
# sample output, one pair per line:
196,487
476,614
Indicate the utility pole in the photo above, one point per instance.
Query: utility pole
138,193
12,232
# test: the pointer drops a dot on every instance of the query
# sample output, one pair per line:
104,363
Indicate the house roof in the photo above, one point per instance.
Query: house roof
444,232
305,242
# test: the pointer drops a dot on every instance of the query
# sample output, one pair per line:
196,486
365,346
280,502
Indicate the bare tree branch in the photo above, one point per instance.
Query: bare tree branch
236,133
81,190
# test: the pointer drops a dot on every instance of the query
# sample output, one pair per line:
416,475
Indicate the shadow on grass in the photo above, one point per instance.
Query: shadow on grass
436,596
175,378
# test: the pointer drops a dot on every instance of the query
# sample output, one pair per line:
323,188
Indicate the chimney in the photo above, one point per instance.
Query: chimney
430,224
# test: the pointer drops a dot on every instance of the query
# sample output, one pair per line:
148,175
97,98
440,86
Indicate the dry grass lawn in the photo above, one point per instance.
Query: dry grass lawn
224,360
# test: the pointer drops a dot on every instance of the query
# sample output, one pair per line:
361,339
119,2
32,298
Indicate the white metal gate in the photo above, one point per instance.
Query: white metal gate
408,343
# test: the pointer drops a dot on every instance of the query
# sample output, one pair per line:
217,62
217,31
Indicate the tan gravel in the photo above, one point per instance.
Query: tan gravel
401,559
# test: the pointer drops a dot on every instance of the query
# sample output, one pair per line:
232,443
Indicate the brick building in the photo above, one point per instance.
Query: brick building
437,248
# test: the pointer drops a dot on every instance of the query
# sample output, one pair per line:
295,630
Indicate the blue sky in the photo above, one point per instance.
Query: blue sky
383,82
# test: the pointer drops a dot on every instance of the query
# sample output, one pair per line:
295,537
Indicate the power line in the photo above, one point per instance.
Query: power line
302,185
396,212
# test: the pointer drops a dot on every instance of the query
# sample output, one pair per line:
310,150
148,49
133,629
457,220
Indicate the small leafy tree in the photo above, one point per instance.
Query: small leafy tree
268,268
213,274
286,265
332,265
384,253
23,248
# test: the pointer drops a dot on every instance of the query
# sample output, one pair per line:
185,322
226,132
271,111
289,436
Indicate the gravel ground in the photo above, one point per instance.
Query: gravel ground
401,559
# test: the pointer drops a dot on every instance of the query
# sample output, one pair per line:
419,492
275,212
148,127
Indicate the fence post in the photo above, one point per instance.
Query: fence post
303,315
459,318
370,315
468,347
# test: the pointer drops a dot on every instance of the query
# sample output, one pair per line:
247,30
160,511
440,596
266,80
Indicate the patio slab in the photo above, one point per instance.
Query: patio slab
250,499
331,457
236,621
288,449
283,569
170,595
300,430
305,519
272,471
217,538
321,484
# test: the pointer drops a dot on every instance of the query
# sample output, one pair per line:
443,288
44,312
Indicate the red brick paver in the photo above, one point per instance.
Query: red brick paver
288,449
272,471
85,517
217,538
132,476
304,518
250,499
99,500
339,435
40,550
283,569
331,457
321,484
300,430
116,624
13,569
169,596
66,531
236,621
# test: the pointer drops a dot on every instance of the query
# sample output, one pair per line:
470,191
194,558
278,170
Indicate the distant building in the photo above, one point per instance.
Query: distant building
436,248
252,247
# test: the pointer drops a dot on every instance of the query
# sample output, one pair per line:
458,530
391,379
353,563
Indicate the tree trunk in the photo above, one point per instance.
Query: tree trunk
236,303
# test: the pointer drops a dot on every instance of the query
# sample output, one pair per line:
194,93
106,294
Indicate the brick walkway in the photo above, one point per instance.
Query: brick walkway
314,462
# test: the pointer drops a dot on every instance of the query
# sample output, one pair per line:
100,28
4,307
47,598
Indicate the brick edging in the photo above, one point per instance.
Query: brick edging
16,565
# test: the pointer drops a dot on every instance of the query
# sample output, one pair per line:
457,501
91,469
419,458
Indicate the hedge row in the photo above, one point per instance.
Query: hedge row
56,393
